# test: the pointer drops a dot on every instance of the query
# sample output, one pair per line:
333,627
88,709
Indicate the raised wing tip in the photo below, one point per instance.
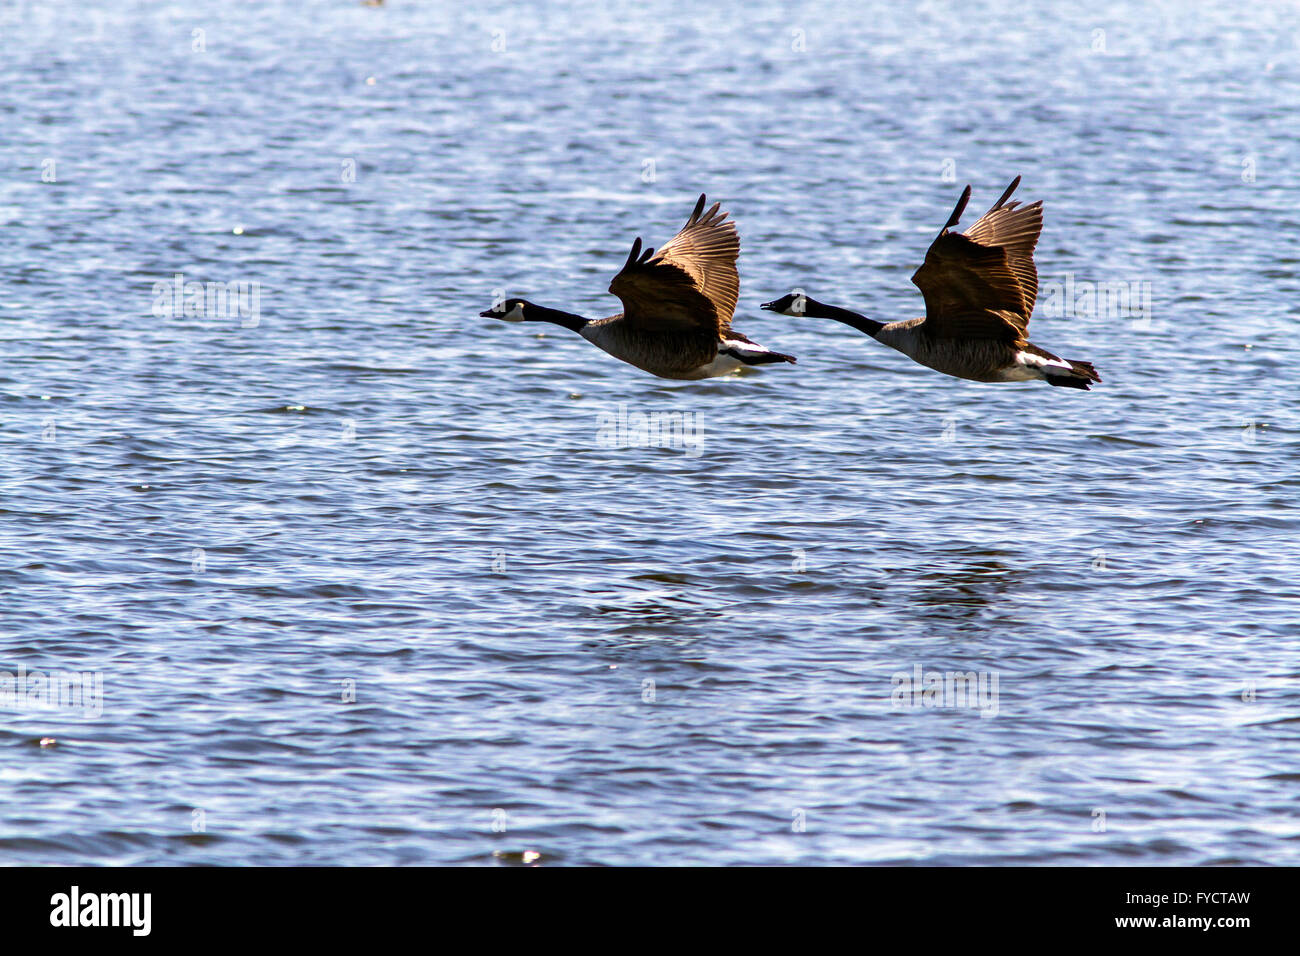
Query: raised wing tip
958,209
699,208
1007,193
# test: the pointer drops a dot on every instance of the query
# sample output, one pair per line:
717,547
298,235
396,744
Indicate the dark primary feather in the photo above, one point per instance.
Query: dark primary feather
983,284
691,284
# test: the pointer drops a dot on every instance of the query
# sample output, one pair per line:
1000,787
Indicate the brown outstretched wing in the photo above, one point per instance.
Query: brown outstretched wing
689,284
983,284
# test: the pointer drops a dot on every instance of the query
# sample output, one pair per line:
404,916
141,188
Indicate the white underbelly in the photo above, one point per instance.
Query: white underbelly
1020,373
721,365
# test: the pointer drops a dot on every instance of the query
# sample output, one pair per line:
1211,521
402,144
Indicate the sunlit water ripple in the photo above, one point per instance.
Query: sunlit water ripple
641,655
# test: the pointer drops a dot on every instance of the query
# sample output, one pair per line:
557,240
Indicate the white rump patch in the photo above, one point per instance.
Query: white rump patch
744,348
1030,366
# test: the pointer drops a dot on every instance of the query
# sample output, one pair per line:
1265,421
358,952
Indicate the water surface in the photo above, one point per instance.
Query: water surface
361,579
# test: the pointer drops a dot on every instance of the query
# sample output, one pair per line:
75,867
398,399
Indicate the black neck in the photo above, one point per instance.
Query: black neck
537,313
860,322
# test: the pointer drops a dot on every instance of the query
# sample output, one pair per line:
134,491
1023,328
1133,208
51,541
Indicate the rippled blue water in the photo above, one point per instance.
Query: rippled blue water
641,655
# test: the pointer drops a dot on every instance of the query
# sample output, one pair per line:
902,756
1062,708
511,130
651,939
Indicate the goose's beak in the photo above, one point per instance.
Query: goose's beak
770,306
489,314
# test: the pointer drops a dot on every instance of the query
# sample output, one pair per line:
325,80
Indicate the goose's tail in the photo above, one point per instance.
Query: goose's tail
1081,375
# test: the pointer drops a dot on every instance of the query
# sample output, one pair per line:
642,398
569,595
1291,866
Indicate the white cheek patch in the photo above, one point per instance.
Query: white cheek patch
515,315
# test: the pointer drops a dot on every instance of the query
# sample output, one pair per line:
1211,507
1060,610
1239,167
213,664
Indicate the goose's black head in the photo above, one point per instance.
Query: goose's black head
799,305
521,310
794,303
512,310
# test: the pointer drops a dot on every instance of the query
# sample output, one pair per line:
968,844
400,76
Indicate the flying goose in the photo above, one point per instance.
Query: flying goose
979,290
677,306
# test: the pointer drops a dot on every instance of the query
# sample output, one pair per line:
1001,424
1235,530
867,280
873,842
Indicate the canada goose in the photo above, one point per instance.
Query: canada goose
979,290
677,306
